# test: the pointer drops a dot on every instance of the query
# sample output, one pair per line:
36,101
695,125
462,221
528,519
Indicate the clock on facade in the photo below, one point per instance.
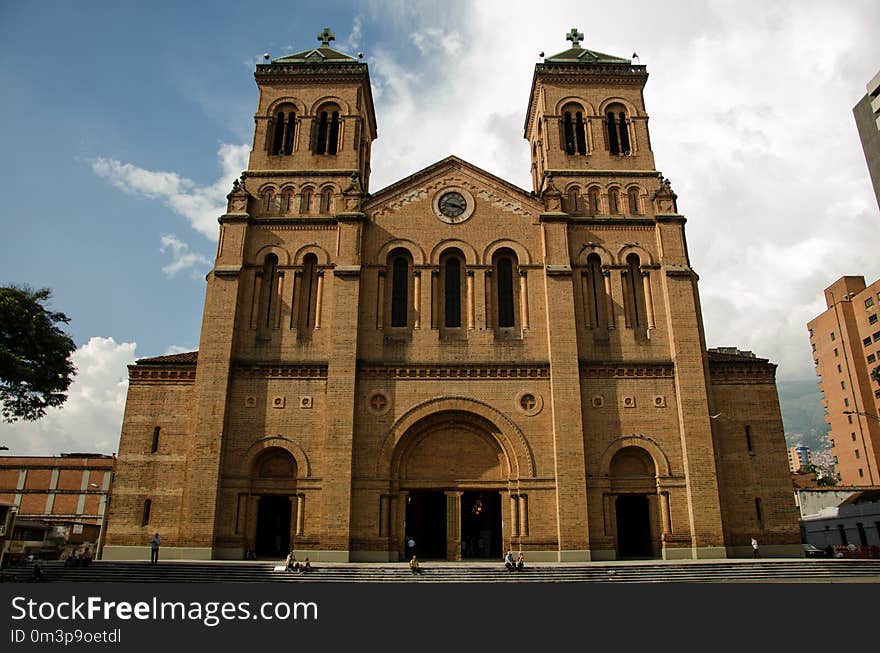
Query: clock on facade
453,205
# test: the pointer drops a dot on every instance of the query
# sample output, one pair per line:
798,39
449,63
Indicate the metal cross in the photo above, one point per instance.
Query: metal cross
575,37
326,36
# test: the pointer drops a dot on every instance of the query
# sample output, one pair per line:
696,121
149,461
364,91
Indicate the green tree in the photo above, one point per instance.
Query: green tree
35,365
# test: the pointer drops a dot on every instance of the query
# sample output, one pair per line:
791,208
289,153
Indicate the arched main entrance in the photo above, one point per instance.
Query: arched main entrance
453,471
273,483
633,481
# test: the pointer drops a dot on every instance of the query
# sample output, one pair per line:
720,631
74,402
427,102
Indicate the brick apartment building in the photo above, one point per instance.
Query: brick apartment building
68,493
845,340
452,357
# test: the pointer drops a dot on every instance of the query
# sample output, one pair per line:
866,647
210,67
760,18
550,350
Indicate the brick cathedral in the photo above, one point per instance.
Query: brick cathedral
452,358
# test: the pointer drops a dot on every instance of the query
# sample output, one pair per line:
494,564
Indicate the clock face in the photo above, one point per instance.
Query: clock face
452,204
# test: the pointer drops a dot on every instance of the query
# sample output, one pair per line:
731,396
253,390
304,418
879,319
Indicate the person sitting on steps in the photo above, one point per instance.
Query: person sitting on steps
414,566
520,562
509,562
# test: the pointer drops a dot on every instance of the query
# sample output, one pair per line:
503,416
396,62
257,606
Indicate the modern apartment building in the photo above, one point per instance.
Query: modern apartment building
867,115
846,351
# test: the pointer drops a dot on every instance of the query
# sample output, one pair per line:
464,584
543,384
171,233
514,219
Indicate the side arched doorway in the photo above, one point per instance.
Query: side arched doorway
273,484
634,486
453,473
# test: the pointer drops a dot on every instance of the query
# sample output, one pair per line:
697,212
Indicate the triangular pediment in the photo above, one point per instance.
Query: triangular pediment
453,172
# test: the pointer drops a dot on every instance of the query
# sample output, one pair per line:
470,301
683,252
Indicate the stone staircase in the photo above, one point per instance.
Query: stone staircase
711,571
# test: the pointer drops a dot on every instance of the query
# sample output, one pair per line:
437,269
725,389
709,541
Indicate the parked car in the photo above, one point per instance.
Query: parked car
811,551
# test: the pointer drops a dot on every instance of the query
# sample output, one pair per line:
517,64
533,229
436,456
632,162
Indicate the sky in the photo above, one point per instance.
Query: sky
124,123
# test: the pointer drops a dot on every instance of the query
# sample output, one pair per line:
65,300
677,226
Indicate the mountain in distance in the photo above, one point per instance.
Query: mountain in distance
803,415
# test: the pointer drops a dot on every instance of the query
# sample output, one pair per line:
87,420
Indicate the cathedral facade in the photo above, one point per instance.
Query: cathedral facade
452,359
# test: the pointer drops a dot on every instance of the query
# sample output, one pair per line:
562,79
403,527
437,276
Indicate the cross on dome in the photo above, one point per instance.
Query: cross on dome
326,36
575,37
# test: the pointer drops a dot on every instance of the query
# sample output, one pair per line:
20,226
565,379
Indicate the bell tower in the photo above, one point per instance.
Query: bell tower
314,127
586,118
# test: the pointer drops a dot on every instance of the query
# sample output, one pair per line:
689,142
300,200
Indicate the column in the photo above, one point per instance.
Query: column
294,299
609,301
319,300
523,506
255,303
524,298
649,300
585,293
488,293
294,520
279,300
399,533
471,320
300,513
380,300
417,299
514,515
453,525
435,299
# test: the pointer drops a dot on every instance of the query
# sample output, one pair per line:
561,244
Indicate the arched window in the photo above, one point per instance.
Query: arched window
505,265
635,292
327,130
617,130
281,131
574,200
326,200
574,130
268,197
593,197
613,201
309,293
286,197
452,277
305,201
595,298
400,274
632,196
270,289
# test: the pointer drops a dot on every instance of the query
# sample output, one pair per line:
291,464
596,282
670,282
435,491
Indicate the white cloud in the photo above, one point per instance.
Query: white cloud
91,418
200,205
751,117
353,42
178,349
182,258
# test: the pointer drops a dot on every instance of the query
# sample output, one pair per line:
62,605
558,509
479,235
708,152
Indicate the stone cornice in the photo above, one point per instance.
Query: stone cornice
181,373
608,221
745,373
434,371
629,369
274,221
299,173
589,172
252,370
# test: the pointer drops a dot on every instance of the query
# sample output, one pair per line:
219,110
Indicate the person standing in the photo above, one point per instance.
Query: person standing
410,546
154,549
755,548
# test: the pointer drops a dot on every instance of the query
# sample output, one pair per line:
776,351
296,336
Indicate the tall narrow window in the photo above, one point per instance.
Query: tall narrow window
613,201
504,283
278,136
452,292
624,133
326,199
749,438
399,291
574,201
268,197
574,135
568,129
636,292
321,142
632,196
594,201
759,514
580,133
595,291
305,201
145,517
309,296
289,133
333,137
154,447
270,288
285,201
613,142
